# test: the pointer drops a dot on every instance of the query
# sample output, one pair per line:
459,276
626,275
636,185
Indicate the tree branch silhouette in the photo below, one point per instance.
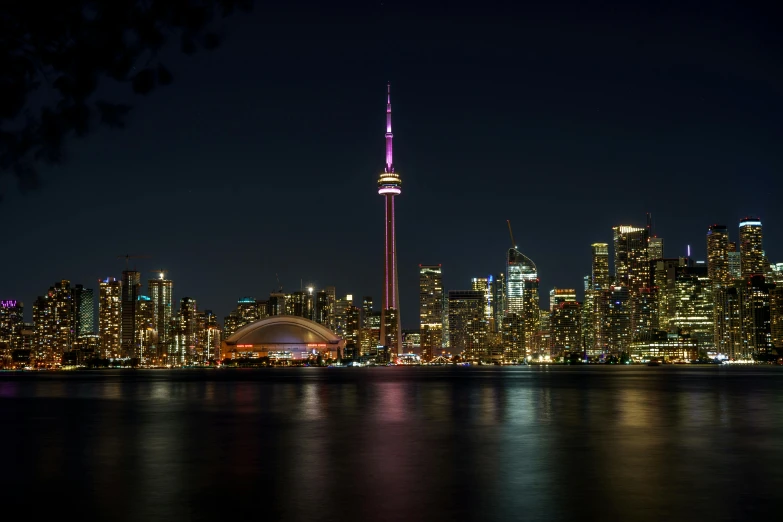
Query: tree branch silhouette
54,56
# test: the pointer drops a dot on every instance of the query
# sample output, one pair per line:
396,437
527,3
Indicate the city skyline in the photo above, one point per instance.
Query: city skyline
491,132
156,276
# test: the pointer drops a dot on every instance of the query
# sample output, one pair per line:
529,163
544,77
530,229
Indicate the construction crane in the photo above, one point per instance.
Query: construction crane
513,244
279,286
128,257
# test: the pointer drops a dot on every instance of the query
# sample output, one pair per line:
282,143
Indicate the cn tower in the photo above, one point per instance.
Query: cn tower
389,183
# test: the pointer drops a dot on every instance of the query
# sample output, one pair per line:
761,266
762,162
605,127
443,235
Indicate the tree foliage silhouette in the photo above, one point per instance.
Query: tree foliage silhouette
55,55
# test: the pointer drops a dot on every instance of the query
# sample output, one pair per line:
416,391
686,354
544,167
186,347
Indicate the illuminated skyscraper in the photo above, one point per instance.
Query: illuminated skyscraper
323,308
522,294
430,310
11,325
616,334
160,292
486,285
601,278
55,322
389,183
276,304
753,260
211,337
110,316
185,335
655,248
331,298
296,303
366,310
631,266
146,334
735,262
560,295
720,277
500,300
718,255
351,331
756,316
594,321
84,311
776,316
565,327
694,305
131,283
468,326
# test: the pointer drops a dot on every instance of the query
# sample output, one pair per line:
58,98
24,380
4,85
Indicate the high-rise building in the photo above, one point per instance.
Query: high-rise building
84,311
11,326
601,278
718,255
322,308
513,338
486,285
776,315
753,261
366,310
522,293
131,283
146,335
663,274
161,293
735,262
616,334
110,316
560,295
342,308
694,305
728,326
756,316
209,337
389,183
276,304
720,277
589,323
370,334
500,300
565,327
631,257
352,331
468,325
331,298
54,319
655,249
296,303
185,345
430,310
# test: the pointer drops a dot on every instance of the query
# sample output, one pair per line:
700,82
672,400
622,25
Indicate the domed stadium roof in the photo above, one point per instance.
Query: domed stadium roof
283,329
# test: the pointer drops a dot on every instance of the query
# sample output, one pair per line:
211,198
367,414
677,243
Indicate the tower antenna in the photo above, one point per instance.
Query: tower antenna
513,243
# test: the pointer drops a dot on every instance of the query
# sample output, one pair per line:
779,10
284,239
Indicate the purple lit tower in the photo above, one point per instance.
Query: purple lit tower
389,183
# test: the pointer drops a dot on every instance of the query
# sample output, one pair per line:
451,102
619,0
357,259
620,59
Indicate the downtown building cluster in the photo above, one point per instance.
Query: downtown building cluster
641,306
133,328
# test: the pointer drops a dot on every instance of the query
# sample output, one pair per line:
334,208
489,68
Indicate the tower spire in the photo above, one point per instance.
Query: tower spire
389,135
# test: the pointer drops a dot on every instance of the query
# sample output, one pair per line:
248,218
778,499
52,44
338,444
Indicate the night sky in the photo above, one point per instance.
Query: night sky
262,156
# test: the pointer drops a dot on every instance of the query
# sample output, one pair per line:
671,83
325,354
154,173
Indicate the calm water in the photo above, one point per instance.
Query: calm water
402,444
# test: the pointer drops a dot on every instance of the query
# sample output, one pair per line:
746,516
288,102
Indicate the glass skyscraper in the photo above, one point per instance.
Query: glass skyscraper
430,310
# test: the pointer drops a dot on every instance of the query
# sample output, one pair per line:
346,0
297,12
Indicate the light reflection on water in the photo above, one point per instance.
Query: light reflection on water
398,443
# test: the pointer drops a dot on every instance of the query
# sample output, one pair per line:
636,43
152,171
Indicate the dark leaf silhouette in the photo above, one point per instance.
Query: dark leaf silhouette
54,56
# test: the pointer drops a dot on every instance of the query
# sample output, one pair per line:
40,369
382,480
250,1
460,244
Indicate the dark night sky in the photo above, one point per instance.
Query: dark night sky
262,156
